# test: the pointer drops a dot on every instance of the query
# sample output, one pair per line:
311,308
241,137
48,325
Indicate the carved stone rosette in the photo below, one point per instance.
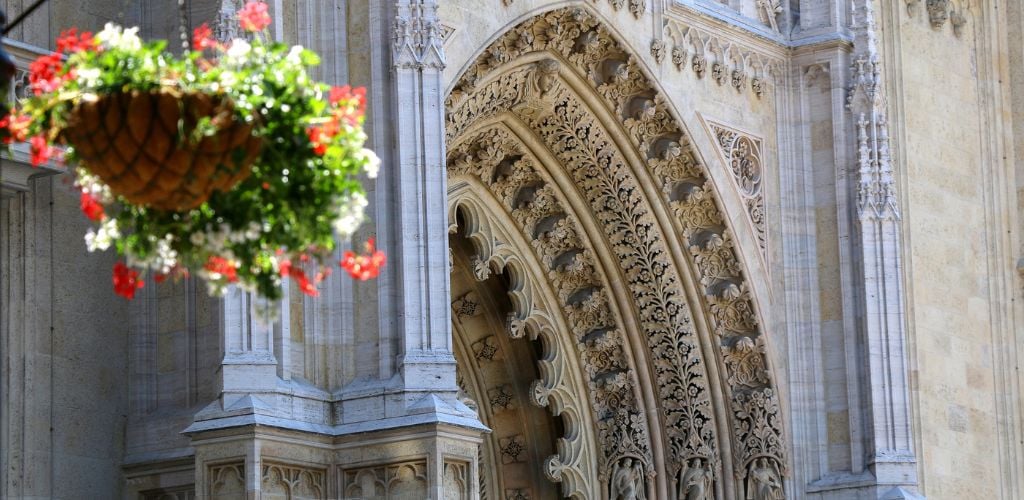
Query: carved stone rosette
604,176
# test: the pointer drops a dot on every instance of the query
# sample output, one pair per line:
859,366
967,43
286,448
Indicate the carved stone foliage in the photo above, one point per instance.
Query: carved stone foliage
494,158
466,305
742,153
289,482
603,176
401,480
729,61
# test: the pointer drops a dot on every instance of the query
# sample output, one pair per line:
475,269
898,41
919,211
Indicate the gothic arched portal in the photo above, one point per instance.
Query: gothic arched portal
569,175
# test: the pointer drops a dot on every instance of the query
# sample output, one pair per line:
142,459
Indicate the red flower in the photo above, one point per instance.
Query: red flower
351,103
253,17
363,267
126,281
202,37
91,207
223,267
305,285
70,41
40,150
318,139
44,73
18,125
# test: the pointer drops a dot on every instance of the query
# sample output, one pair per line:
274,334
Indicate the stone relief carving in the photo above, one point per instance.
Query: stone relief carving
764,481
695,481
742,153
745,359
456,481
227,480
418,38
583,147
493,156
940,11
658,50
627,480
486,349
770,11
501,398
293,483
730,61
513,449
401,480
466,305
517,494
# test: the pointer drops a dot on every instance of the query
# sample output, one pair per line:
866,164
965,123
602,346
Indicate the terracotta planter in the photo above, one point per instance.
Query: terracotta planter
133,142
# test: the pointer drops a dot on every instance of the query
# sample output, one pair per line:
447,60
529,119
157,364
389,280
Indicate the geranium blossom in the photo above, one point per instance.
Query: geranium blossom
70,41
39,151
366,266
254,17
91,207
44,73
126,281
202,38
221,268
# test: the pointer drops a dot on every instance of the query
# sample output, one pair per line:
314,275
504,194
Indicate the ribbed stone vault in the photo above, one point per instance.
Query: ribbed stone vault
569,173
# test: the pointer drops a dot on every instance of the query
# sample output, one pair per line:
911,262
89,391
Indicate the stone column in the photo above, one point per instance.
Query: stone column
878,244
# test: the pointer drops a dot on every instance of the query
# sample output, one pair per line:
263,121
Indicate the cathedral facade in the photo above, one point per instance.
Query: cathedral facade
637,250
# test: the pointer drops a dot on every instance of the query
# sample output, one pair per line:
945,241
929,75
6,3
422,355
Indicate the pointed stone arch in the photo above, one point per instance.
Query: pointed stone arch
557,126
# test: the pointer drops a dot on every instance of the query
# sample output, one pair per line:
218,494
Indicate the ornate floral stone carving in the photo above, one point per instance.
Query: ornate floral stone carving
938,12
737,63
487,349
466,305
513,449
742,152
586,152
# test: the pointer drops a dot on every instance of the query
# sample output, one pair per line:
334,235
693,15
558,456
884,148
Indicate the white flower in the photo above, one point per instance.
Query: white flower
228,78
372,162
350,214
89,77
197,239
113,37
101,239
238,51
294,56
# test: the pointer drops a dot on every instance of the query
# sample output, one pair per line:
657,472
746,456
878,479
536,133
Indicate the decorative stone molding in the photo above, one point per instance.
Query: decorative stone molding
584,148
878,243
227,480
402,480
286,481
418,37
817,74
729,61
466,305
770,11
742,153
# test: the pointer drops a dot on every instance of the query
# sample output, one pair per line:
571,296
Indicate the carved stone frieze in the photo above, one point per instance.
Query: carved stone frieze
401,480
587,153
288,481
466,305
743,154
729,61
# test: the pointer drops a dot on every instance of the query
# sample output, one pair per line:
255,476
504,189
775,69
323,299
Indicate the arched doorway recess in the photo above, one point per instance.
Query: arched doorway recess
569,172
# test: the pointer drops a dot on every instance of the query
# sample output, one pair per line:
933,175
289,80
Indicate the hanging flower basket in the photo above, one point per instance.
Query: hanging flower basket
229,161
130,141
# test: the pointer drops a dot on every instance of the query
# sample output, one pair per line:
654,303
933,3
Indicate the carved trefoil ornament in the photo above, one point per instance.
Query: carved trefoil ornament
743,153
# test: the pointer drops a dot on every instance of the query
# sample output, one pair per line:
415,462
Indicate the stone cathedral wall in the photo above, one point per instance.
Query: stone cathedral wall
952,87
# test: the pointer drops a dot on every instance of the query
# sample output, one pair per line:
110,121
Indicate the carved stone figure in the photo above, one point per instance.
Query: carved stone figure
628,481
764,481
695,481
938,12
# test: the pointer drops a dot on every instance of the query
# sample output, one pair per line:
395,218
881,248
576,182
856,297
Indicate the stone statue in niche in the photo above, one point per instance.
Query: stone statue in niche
764,481
695,481
628,480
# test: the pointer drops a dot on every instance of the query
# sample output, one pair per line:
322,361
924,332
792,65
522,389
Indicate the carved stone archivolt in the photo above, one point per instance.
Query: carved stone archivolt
613,183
